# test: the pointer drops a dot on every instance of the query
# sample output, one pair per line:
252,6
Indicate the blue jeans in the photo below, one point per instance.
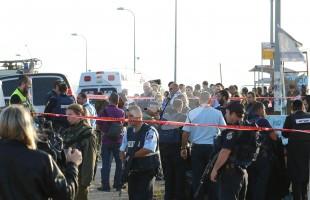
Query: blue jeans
107,153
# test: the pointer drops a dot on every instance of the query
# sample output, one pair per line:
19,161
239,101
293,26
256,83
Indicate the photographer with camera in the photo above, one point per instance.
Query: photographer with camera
25,172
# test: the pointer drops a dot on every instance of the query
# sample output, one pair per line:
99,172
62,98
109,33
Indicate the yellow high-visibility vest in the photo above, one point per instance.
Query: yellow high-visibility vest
25,101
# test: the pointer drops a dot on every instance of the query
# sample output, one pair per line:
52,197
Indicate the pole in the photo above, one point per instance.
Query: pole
221,73
134,35
134,42
86,54
85,40
277,65
271,34
175,39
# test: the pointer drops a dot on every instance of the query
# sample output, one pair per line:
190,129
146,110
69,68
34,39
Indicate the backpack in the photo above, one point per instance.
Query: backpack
247,146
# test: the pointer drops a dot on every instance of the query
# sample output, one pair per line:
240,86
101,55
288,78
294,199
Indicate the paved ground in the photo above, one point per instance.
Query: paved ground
94,194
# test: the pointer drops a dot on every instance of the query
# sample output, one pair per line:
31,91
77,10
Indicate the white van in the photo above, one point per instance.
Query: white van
2,102
42,83
109,81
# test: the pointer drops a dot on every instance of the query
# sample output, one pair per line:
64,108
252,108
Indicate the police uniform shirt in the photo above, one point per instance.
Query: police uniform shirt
150,141
299,120
204,115
228,139
262,122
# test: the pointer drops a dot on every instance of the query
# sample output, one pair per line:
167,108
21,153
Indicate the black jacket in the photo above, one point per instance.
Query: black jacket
300,121
33,175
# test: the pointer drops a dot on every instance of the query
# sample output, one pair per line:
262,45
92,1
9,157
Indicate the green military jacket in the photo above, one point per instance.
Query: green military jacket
80,136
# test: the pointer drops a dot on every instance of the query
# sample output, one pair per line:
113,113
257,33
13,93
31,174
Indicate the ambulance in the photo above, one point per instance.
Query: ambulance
107,82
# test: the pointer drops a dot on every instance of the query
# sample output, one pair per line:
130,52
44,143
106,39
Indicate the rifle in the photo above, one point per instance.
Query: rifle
205,174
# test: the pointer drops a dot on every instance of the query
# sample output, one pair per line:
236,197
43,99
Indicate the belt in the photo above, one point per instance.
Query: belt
229,166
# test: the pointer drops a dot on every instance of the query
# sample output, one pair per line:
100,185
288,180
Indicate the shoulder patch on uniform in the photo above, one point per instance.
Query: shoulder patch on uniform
303,121
229,136
149,137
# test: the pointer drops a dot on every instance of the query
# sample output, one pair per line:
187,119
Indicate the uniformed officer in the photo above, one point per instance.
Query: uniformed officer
170,144
259,171
298,150
141,141
20,94
58,105
233,157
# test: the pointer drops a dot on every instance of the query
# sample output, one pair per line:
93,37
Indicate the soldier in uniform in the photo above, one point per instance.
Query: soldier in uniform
298,150
235,154
80,136
20,94
141,141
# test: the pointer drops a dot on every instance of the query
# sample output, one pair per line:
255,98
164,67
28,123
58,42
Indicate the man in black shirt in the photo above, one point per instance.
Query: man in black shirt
298,151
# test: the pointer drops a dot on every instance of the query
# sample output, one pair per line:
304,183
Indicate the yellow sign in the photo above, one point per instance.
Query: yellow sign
267,54
267,51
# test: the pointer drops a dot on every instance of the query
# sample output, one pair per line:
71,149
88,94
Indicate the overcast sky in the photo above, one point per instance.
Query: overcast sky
209,33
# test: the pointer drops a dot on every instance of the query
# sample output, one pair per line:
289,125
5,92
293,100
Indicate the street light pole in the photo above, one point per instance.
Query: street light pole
278,93
134,35
85,40
175,38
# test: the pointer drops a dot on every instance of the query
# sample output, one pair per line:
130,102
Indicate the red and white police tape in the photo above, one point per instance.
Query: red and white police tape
101,97
172,123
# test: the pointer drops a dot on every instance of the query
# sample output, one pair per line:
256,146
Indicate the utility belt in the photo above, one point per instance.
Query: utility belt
147,163
230,165
237,163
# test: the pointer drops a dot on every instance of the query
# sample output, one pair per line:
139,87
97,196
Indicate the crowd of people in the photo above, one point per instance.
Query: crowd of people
247,164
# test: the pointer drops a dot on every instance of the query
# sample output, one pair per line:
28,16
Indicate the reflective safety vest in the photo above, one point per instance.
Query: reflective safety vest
25,101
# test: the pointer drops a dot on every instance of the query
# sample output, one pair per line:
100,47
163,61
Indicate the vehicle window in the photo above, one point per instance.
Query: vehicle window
108,90
40,87
8,86
90,91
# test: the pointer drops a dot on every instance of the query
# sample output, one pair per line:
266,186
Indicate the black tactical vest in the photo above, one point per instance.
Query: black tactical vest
150,162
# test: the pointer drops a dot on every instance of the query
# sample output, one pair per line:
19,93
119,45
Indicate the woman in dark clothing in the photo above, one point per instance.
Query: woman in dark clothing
80,136
27,173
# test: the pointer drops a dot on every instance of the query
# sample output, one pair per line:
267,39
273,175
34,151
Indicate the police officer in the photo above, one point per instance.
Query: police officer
233,157
20,94
260,170
298,149
141,141
58,105
170,143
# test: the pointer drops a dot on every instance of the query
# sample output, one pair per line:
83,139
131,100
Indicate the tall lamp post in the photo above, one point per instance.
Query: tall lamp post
175,38
134,35
84,38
